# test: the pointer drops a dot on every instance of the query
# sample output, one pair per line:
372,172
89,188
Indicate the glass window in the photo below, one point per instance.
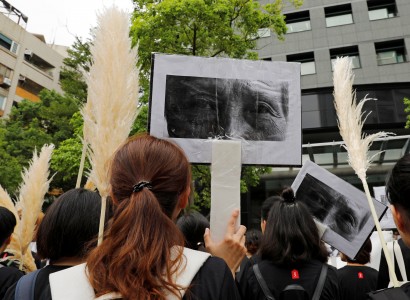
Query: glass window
263,32
307,68
298,26
297,22
307,61
339,20
338,15
390,52
5,41
2,102
381,9
352,52
389,57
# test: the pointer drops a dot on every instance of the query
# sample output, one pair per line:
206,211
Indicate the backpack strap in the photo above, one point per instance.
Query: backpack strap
25,286
262,283
320,283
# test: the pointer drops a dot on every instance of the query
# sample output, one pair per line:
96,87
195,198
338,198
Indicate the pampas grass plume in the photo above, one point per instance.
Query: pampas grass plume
31,197
351,119
112,93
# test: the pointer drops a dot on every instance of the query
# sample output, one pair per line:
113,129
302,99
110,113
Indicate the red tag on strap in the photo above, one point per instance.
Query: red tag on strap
295,274
360,275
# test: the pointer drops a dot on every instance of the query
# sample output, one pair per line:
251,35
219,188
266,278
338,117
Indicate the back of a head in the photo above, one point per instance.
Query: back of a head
398,184
253,239
148,178
69,225
363,257
7,224
192,225
291,235
267,205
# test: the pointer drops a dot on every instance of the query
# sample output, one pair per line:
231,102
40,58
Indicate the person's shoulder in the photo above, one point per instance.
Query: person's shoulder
11,271
214,263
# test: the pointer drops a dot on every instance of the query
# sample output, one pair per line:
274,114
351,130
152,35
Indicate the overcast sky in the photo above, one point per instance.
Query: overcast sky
61,20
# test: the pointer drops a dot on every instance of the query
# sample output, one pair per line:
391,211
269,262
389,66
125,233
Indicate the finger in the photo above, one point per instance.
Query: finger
207,238
230,230
241,232
242,241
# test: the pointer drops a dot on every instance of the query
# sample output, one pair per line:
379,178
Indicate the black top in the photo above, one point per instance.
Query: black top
384,279
356,281
8,277
278,277
213,281
42,286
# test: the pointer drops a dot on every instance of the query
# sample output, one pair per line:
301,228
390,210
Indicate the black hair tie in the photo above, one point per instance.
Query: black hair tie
140,185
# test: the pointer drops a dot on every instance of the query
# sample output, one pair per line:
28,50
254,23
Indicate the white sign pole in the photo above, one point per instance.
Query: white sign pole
225,185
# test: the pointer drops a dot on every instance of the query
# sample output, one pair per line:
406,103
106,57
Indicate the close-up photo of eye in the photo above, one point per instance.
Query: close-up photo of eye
265,108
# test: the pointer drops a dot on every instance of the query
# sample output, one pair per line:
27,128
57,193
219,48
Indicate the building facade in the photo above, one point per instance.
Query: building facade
375,34
27,63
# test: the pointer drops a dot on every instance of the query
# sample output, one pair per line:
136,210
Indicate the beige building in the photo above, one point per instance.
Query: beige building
27,63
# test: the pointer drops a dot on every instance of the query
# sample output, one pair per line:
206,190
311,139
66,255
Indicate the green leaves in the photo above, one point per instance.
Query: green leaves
407,110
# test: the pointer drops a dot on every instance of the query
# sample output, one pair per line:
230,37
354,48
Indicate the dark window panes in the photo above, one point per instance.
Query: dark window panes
298,21
381,9
386,114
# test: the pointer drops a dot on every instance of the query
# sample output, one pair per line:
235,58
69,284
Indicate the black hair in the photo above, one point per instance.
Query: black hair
192,225
253,239
7,223
69,225
398,184
266,206
291,235
363,256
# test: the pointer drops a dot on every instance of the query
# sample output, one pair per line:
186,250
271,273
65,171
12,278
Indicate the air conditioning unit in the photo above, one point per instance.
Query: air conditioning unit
6,82
28,53
22,78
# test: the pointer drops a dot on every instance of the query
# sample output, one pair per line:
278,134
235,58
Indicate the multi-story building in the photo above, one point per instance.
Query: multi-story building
27,63
375,34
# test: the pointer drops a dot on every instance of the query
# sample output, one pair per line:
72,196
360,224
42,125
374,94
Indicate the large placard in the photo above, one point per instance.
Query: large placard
337,205
194,100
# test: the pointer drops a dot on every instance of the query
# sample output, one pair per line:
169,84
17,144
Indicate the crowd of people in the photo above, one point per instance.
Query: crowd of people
153,248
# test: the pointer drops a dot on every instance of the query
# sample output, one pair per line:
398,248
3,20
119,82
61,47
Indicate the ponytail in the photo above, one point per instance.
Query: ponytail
137,269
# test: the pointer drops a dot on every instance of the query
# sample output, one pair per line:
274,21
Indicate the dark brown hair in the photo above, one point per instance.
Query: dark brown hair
363,256
291,235
135,256
70,225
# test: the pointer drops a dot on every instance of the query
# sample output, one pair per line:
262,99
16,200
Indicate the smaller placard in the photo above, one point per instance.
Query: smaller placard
338,205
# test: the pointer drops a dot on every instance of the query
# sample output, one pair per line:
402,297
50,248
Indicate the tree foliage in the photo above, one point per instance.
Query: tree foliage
29,126
407,110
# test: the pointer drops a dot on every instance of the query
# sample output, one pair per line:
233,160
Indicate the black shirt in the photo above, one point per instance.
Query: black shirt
356,281
8,277
213,281
278,277
42,285
384,279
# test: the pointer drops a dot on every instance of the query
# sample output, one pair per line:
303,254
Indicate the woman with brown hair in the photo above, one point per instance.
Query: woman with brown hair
141,255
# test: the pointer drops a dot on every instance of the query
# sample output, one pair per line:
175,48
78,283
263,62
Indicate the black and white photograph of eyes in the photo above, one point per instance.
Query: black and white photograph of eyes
344,216
338,206
195,101
198,107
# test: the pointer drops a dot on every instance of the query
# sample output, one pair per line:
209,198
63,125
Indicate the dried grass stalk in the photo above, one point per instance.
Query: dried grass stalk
31,197
350,122
112,96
